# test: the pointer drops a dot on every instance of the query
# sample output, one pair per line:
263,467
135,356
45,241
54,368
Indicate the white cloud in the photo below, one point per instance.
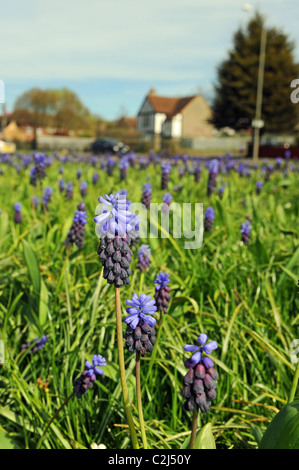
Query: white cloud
119,38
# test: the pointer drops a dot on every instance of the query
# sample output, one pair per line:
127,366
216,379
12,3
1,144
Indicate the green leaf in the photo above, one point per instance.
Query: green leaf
204,439
33,267
43,304
6,442
257,433
283,183
281,214
3,225
293,262
283,431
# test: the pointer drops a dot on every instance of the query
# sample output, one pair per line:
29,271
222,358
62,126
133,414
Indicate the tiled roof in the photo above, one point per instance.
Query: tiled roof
169,106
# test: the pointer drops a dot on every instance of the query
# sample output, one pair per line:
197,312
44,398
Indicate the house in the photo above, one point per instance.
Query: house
173,118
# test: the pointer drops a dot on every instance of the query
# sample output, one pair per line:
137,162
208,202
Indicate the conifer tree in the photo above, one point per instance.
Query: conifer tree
235,92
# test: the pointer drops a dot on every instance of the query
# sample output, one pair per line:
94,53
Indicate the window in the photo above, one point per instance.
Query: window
146,120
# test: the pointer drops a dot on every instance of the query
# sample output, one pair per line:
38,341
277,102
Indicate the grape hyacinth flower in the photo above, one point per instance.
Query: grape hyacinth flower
146,195
18,216
140,332
199,387
81,206
61,185
212,181
69,193
167,198
26,161
39,343
287,154
209,219
143,163
95,178
83,188
35,202
241,169
197,172
115,227
88,376
269,170
278,162
259,186
246,227
77,230
181,172
144,257
134,226
33,177
166,167
94,161
132,159
123,165
221,191
47,197
162,291
79,173
115,224
110,166
61,169
38,172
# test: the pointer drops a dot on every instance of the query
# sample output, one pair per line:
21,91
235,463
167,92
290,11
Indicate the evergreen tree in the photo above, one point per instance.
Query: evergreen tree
236,88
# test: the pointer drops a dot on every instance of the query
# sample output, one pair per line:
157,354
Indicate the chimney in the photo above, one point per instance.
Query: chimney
152,91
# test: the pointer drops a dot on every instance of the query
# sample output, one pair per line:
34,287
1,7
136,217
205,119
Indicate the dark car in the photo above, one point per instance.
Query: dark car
112,146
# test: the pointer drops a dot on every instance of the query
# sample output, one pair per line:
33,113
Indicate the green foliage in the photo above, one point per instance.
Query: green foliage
60,109
6,442
283,431
204,439
243,297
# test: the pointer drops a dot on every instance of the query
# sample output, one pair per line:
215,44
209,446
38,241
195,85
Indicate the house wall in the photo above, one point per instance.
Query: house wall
194,119
159,119
177,126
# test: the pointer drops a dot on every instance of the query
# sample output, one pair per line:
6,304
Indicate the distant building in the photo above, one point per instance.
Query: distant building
174,118
128,122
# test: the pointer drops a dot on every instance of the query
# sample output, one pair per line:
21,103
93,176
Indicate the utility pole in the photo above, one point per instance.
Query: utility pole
257,123
4,117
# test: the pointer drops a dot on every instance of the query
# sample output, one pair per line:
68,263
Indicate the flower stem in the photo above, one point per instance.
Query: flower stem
194,428
139,401
54,417
122,370
294,385
141,281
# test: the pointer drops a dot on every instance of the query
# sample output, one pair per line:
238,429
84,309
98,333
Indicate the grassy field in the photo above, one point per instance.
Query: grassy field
245,297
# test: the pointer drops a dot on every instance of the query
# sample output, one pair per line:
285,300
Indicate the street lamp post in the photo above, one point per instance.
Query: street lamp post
258,123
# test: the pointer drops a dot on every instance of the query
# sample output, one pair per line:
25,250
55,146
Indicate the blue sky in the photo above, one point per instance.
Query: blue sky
111,53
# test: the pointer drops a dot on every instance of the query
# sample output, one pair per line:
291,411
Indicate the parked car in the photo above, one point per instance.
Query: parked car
7,147
113,146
